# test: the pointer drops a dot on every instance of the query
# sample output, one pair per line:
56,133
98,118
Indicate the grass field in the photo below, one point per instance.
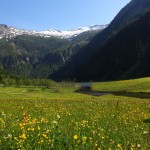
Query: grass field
135,85
58,118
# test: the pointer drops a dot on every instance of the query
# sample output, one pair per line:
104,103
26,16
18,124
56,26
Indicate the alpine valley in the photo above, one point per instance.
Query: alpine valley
116,51
38,54
83,89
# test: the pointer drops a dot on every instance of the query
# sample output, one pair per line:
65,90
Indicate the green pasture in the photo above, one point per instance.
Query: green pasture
58,118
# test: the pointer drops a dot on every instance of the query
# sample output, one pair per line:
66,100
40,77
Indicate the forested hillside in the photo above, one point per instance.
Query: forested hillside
35,56
126,54
87,63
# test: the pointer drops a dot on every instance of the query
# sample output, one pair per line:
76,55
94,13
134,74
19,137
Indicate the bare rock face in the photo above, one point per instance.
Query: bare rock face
4,30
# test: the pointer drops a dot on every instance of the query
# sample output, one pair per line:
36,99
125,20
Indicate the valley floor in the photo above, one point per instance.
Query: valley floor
60,118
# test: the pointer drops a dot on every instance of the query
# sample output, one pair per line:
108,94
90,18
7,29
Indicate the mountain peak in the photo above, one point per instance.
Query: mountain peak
3,25
10,32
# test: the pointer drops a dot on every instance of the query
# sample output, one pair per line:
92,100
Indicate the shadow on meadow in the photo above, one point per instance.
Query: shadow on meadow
146,120
117,93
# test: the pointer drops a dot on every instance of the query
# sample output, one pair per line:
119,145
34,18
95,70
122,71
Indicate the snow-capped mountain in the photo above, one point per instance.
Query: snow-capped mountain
10,32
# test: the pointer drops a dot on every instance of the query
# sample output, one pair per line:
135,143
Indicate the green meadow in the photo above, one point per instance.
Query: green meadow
59,118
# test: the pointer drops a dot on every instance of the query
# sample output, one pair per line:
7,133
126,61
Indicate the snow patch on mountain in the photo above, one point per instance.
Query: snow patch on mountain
10,32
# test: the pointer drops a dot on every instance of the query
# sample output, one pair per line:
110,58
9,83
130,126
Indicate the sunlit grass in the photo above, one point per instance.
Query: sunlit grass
135,85
57,119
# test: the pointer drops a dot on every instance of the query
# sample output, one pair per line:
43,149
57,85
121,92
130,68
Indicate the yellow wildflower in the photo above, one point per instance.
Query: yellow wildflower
75,137
29,129
39,128
48,131
32,129
22,124
119,146
41,141
44,135
23,136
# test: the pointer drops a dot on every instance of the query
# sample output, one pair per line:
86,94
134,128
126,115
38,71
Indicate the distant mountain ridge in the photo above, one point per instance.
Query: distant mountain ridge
9,32
39,56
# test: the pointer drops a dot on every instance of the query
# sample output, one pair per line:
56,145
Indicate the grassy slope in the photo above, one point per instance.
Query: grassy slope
58,118
135,85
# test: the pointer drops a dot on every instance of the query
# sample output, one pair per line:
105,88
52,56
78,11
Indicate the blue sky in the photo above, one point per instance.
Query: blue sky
58,14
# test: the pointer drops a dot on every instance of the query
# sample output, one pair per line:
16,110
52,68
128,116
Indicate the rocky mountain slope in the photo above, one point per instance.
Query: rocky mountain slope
82,67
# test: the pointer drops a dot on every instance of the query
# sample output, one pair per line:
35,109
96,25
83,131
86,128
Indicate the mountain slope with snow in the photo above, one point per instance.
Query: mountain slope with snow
28,53
10,32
